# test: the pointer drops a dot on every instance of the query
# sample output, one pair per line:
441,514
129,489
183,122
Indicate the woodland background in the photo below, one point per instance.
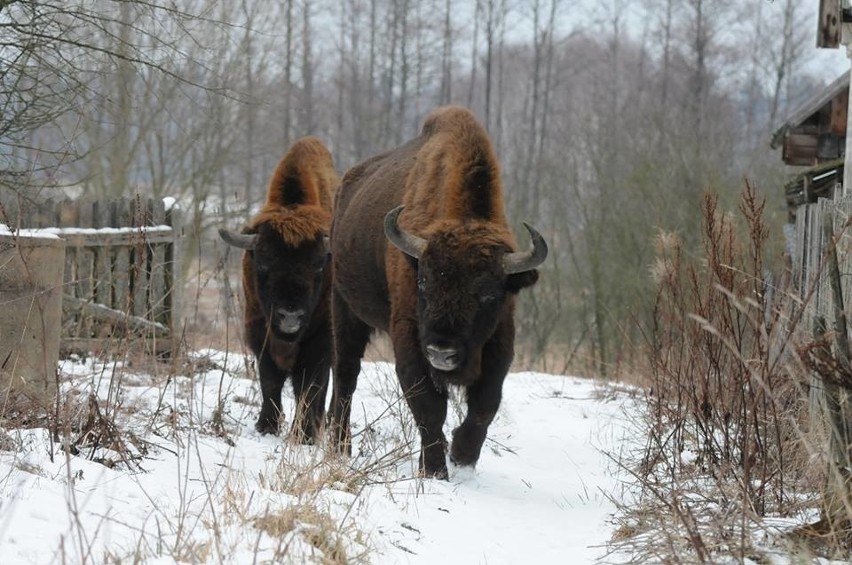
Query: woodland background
611,119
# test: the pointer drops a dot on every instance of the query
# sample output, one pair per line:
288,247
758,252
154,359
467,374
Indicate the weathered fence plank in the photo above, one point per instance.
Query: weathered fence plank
174,295
102,274
120,210
158,264
119,319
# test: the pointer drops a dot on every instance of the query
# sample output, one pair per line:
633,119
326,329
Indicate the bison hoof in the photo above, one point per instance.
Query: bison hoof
342,448
433,464
266,427
339,439
441,474
462,457
304,437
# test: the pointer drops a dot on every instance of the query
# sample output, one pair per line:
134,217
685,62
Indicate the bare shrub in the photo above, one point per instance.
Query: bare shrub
726,402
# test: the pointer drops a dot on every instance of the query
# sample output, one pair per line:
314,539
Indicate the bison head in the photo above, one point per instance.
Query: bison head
288,280
465,277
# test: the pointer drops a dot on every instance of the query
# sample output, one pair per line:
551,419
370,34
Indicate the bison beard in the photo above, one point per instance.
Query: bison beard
444,289
286,281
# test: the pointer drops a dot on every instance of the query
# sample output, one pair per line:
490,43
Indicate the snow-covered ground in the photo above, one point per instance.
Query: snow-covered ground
185,477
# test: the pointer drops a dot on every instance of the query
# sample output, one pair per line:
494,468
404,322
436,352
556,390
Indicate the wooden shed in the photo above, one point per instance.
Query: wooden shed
814,136
815,132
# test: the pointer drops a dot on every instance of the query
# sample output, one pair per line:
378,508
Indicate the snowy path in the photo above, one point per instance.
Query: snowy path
538,494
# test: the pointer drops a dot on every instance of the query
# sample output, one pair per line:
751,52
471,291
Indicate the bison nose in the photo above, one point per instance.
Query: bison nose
289,321
442,358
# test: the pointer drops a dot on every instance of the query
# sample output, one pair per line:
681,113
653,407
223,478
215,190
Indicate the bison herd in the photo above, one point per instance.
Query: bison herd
415,244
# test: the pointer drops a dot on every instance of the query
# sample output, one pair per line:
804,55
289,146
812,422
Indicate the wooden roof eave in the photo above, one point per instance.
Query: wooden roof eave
809,107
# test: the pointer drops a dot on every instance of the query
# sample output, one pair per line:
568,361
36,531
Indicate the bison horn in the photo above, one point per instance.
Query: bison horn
408,243
241,240
528,260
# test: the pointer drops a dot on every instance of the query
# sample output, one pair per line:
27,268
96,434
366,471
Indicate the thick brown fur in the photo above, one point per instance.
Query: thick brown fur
291,230
455,297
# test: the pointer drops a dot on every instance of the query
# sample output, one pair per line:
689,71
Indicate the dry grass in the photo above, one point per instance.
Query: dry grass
727,442
95,419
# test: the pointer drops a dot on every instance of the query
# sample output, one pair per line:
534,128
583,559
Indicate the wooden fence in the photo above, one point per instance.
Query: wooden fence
121,278
822,271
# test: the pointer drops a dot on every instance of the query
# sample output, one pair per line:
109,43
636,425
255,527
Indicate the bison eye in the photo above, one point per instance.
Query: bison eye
488,298
262,268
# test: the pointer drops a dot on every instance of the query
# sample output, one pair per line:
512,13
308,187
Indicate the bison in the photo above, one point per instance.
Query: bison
286,282
444,289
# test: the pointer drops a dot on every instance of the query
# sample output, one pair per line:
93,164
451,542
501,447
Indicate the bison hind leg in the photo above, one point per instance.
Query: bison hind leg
307,427
351,336
310,387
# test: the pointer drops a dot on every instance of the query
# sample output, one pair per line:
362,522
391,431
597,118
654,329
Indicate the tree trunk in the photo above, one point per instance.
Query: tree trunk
310,119
405,69
288,76
447,56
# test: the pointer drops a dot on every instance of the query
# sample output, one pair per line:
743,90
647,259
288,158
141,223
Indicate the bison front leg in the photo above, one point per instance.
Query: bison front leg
428,406
483,398
310,385
271,382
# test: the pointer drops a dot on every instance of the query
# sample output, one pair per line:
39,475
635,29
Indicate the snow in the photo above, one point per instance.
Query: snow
190,486
54,233
28,233
94,231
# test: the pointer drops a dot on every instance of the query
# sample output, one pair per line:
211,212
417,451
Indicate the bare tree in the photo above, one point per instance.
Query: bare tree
447,55
787,45
495,14
49,50
404,68
309,122
288,74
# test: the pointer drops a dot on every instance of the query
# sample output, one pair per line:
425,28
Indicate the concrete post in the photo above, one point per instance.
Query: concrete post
31,272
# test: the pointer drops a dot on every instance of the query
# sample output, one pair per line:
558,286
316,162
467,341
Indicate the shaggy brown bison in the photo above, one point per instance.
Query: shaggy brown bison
286,284
444,289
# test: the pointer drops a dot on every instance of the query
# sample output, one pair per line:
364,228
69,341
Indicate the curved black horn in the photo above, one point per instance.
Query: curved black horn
407,243
528,260
241,240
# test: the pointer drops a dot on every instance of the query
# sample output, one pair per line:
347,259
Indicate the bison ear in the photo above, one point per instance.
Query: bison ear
517,281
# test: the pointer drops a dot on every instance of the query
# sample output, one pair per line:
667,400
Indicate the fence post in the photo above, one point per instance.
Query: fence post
174,218
836,401
31,269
